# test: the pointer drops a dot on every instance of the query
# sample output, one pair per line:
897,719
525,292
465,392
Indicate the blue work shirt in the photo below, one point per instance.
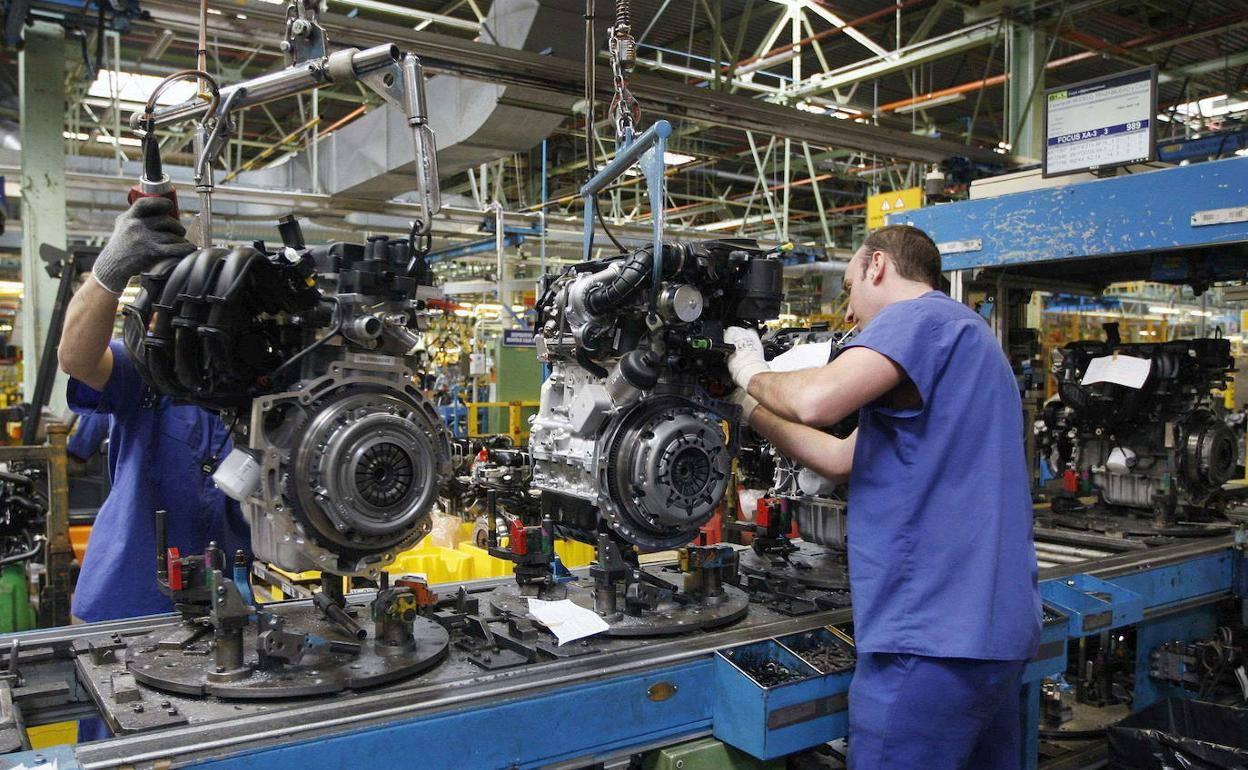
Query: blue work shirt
941,556
89,436
155,456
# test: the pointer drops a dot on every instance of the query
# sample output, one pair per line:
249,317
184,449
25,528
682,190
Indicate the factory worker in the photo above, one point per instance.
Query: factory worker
942,565
161,455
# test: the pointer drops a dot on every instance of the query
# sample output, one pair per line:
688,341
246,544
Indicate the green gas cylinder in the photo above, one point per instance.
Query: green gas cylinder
16,612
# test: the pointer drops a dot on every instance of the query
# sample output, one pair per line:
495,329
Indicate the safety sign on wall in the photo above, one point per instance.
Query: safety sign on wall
882,204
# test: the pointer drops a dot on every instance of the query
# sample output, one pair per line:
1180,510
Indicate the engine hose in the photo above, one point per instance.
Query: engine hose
612,292
16,479
583,359
27,504
333,332
24,555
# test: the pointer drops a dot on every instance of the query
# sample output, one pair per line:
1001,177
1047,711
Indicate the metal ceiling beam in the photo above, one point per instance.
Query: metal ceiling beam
903,59
658,96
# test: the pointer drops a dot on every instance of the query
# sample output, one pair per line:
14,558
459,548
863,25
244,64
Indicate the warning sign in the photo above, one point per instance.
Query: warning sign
892,203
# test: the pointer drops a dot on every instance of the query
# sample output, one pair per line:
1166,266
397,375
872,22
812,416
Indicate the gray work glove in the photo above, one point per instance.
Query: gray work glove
143,236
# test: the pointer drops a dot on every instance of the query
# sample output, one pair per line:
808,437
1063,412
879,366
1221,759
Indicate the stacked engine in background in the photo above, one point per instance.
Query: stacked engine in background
1163,448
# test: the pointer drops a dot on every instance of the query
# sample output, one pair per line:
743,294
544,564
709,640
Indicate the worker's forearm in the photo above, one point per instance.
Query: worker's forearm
790,395
88,329
827,455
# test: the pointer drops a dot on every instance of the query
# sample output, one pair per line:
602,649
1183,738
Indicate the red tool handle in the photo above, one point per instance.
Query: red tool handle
137,192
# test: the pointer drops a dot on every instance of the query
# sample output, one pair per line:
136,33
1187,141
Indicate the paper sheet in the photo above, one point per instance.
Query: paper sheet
807,356
567,621
1120,370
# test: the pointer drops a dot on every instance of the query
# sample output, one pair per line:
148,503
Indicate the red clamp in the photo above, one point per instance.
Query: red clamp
519,539
173,563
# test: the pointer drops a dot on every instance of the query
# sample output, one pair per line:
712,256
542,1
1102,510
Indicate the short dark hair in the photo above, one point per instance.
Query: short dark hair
913,252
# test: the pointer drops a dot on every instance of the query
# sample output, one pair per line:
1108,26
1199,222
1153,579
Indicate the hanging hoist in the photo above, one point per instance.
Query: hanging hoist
624,109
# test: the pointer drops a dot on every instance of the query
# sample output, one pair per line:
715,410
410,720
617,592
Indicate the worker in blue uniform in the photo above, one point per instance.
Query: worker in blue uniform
942,564
88,437
161,454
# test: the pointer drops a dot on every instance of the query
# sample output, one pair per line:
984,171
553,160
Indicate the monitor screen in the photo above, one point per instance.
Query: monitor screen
1101,123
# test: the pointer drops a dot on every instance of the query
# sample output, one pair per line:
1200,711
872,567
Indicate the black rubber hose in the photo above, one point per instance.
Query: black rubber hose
583,359
631,277
16,479
24,555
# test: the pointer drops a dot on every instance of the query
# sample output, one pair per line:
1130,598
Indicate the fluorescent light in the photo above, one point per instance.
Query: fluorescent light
133,87
676,158
1211,107
159,45
129,141
1242,151
934,102
1163,310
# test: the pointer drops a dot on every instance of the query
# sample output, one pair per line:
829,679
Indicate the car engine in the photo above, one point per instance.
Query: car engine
1163,447
630,436
338,455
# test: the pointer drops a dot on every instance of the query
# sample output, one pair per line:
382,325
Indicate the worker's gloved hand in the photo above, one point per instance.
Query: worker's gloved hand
142,236
748,360
747,403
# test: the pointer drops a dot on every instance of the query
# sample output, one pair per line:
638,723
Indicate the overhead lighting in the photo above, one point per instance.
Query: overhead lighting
11,289
1163,310
159,45
412,13
133,87
128,141
1210,107
927,103
676,158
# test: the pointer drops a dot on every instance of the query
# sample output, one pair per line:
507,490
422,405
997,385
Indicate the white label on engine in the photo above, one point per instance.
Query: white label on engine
1122,370
376,359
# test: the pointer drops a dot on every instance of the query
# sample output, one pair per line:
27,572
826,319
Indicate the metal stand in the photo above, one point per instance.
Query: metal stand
635,601
228,646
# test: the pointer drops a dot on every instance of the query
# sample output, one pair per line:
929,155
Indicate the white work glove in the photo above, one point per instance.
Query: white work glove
748,360
142,236
747,403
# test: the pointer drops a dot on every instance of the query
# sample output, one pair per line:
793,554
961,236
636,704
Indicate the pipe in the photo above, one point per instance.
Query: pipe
997,80
30,553
289,81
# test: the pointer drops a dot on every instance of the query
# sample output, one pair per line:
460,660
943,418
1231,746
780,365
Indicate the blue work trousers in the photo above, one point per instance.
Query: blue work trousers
911,712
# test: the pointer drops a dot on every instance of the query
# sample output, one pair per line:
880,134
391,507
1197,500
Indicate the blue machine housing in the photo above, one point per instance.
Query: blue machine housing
1183,224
